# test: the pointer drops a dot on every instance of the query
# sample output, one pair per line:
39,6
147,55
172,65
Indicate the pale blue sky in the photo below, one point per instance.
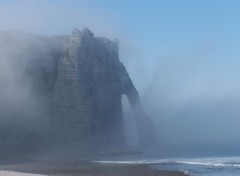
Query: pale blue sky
160,27
178,24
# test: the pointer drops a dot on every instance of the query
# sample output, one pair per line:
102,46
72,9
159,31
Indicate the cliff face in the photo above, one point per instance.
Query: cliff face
83,80
87,93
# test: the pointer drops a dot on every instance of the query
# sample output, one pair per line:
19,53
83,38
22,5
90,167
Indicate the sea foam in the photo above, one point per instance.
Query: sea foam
10,173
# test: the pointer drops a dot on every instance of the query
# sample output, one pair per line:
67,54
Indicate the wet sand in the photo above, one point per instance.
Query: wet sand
86,168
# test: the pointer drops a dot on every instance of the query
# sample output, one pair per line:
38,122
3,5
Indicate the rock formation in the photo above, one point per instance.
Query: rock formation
87,93
84,80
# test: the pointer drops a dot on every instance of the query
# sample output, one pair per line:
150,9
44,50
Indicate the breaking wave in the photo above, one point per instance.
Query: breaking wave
212,162
10,173
212,166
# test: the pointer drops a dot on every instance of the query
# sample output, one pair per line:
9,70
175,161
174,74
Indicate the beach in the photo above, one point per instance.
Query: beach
83,168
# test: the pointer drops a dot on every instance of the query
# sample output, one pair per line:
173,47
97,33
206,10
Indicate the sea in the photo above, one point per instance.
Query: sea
202,166
190,165
197,166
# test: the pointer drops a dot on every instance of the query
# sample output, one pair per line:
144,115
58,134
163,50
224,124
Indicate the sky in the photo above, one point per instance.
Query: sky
182,55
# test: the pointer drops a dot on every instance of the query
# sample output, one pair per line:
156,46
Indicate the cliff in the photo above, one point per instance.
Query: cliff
82,81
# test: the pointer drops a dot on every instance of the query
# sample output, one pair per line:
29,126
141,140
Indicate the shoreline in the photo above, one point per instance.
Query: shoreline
87,168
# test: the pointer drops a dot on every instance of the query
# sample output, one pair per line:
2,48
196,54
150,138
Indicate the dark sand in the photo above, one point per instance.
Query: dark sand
86,168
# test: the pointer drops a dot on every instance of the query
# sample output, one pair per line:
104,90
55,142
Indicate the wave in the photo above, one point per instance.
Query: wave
130,162
10,173
216,162
208,164
213,162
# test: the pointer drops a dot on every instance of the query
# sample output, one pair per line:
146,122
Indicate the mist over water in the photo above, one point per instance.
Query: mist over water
192,99
195,104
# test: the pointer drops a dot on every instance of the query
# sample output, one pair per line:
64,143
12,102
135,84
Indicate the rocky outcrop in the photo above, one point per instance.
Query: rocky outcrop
87,93
83,79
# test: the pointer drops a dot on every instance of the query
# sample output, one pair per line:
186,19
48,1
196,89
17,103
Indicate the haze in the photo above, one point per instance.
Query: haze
183,57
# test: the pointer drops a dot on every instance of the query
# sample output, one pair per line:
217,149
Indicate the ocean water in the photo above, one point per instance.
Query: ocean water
195,166
206,166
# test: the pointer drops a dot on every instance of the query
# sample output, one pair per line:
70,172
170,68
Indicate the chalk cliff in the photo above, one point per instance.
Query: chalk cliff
88,89
83,80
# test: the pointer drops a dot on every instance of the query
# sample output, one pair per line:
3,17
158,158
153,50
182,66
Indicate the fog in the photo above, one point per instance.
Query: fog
194,103
192,99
